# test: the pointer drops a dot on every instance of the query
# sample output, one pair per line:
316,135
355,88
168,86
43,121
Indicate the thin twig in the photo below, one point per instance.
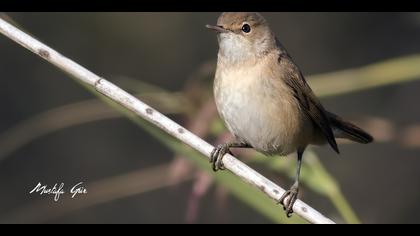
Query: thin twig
148,113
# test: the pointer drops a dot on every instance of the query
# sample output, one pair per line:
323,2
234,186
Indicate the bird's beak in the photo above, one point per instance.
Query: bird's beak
217,28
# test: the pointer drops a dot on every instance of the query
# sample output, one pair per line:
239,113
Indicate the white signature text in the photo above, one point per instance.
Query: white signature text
58,189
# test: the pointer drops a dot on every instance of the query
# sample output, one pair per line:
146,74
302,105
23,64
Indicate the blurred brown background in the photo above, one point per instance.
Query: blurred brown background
379,180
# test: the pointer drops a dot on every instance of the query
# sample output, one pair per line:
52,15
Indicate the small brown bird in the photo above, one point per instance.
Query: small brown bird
262,96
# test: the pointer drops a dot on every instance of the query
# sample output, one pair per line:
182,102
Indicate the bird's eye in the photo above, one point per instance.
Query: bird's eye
246,28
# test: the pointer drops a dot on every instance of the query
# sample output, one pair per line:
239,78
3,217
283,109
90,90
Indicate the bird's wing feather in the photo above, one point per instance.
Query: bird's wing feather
306,98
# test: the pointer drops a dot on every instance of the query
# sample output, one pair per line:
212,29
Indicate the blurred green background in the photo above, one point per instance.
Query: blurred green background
52,130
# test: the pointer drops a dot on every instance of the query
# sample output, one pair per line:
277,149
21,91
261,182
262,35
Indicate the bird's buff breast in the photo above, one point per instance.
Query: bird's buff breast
259,110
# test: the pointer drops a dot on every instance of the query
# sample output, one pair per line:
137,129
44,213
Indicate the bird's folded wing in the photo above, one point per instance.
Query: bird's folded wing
306,98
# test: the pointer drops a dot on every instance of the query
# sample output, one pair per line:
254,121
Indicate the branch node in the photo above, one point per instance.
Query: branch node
44,53
149,111
97,82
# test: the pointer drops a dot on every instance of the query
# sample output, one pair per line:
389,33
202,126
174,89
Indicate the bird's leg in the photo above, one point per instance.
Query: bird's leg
218,152
291,195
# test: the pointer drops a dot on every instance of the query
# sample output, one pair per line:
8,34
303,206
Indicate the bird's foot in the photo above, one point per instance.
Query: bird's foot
288,200
217,154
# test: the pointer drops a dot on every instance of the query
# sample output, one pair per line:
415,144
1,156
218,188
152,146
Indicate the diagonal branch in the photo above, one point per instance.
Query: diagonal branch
151,115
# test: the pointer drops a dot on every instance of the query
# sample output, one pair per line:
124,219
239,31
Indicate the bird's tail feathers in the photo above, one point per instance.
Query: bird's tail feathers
347,130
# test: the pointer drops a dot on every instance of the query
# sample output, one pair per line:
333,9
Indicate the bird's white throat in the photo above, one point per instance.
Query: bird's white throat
234,48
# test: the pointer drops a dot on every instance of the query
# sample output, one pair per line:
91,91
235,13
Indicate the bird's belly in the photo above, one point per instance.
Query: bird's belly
263,116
